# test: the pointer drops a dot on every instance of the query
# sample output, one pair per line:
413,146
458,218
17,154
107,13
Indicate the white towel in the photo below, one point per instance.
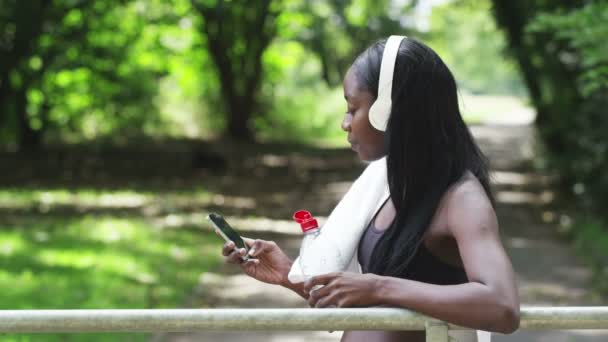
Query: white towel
349,219
347,222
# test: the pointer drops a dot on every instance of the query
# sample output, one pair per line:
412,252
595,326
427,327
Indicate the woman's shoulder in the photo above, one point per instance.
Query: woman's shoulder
467,204
467,189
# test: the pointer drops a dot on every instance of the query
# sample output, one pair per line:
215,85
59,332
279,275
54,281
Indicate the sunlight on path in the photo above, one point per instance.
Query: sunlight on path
495,109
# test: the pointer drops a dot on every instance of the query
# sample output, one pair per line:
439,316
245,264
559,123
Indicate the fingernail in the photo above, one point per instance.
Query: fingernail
251,251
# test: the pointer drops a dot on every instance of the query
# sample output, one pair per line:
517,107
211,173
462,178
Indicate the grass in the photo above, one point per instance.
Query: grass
591,241
104,260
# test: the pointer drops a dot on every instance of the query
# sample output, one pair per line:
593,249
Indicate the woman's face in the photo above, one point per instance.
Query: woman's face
364,139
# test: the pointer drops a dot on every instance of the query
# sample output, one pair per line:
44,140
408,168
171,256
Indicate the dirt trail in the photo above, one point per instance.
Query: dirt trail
548,271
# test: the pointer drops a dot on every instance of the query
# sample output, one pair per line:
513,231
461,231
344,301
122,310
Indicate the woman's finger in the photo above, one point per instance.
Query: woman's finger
318,293
320,280
330,300
236,255
260,246
232,259
227,249
257,247
251,262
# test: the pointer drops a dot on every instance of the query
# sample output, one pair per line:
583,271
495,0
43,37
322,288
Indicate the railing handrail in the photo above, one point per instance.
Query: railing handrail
182,320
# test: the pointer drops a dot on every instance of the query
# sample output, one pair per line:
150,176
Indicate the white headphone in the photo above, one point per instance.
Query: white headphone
381,108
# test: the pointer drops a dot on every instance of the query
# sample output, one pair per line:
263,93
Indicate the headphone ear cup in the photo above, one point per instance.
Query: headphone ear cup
379,113
373,114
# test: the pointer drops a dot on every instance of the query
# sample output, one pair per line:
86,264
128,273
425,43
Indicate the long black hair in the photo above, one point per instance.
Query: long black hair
429,146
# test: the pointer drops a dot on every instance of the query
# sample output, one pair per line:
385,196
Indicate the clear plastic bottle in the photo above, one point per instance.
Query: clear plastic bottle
317,256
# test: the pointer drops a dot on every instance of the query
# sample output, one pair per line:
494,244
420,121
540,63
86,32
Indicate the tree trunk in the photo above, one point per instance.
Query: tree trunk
3,96
239,117
29,138
237,34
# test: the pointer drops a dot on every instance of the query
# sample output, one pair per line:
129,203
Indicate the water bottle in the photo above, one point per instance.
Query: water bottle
317,256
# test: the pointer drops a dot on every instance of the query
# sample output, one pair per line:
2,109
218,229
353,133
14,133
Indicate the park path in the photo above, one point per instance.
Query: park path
548,271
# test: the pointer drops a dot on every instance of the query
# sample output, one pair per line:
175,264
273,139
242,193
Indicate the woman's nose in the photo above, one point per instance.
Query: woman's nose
346,122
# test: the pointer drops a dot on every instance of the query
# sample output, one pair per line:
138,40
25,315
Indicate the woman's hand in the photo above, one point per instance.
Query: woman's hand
343,289
267,262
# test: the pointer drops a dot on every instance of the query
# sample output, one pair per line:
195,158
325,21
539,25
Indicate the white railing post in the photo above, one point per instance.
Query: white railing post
436,331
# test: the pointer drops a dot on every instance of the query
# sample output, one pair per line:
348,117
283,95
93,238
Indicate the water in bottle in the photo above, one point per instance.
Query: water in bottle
317,256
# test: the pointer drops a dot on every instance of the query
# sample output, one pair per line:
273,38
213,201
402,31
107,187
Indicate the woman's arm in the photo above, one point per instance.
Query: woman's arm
489,301
474,305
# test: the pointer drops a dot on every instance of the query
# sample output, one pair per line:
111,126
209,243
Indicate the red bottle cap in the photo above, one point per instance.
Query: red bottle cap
306,221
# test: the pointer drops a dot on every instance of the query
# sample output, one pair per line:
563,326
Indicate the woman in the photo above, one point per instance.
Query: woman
433,246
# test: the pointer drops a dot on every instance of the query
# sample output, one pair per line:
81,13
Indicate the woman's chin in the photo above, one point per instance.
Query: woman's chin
364,155
367,157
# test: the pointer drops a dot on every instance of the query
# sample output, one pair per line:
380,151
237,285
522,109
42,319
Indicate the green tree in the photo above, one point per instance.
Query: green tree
23,62
69,68
464,34
338,30
582,29
550,82
557,45
583,154
237,34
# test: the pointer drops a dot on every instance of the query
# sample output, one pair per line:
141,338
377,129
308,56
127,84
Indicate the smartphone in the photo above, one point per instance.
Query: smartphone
223,229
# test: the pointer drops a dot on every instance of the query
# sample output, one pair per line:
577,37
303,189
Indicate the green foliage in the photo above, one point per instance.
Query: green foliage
580,134
591,240
558,48
91,70
582,30
556,45
336,31
95,70
316,42
300,106
237,34
465,35
189,98
583,155
107,83
549,79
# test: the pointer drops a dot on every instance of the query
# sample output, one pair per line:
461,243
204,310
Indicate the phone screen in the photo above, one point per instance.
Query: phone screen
221,224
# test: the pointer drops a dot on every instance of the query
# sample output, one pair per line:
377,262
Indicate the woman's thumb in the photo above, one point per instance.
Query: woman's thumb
254,246
249,242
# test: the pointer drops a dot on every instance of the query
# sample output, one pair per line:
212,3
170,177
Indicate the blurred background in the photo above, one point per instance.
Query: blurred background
123,123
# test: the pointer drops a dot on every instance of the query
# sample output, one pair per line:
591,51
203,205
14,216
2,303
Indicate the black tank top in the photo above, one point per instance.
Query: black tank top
424,266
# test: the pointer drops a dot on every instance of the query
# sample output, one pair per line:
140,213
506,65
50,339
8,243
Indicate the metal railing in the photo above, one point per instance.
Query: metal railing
182,320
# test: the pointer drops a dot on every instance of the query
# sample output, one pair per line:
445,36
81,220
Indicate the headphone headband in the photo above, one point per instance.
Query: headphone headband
381,108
